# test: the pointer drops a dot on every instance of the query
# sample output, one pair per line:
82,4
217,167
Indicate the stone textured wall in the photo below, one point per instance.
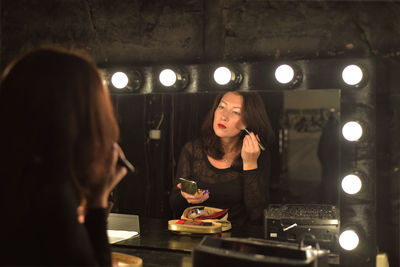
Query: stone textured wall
153,31
146,31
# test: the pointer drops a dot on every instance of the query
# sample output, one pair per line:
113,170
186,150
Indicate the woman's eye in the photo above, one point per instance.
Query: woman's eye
220,107
236,113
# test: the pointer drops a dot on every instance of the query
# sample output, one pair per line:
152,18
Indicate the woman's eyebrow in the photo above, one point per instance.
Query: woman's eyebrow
222,101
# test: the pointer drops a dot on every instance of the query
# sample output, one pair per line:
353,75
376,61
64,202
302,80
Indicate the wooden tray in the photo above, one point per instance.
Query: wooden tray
121,259
214,228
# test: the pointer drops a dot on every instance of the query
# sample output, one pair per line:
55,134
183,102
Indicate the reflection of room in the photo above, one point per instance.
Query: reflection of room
191,39
309,118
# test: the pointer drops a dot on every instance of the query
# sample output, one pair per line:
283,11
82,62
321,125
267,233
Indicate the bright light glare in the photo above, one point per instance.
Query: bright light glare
167,77
222,75
352,131
119,80
348,240
284,73
352,74
351,184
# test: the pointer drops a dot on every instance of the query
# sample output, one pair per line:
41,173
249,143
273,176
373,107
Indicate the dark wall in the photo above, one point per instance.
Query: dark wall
150,31
158,31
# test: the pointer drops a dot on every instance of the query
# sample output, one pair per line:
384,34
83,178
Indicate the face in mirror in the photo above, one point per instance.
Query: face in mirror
227,117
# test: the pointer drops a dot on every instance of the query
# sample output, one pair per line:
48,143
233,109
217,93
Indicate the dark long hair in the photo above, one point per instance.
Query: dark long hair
57,119
254,116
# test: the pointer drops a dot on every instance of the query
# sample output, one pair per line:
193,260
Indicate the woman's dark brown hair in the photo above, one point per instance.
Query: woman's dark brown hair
254,116
57,119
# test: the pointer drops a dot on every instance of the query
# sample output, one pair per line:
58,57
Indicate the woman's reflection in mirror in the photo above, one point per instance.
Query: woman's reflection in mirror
227,161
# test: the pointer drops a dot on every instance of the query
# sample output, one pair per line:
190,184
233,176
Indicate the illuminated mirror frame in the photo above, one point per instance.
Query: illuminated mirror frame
358,211
357,103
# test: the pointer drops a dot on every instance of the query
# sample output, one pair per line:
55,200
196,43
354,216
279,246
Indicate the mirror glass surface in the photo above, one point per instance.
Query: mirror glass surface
309,146
304,155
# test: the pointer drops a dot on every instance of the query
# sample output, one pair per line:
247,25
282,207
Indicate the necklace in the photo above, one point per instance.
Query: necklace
229,158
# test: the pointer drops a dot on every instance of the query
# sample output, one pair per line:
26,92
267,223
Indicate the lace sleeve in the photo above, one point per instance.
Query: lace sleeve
256,187
177,203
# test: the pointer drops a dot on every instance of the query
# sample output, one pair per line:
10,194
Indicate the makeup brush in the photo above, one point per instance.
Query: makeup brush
124,162
259,143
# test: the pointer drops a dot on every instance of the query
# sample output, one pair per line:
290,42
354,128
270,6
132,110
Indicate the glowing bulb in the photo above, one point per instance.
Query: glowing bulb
348,240
119,80
284,73
352,74
222,75
167,77
351,184
352,131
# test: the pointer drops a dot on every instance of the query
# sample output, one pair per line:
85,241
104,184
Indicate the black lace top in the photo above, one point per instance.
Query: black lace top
243,193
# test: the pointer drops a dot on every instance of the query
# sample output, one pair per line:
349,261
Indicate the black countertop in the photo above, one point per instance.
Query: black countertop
154,234
158,246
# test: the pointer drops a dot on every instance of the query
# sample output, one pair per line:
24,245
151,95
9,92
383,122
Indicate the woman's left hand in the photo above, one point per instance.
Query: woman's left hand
250,151
199,197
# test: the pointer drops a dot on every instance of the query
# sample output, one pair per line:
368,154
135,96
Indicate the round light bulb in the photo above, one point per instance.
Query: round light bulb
222,75
352,131
352,74
167,77
348,240
119,80
284,74
351,184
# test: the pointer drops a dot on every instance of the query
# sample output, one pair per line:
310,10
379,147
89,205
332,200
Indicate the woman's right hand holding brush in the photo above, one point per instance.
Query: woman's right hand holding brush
250,152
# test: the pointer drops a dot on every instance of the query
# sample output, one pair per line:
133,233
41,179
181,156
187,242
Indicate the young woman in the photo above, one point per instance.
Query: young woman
227,161
59,150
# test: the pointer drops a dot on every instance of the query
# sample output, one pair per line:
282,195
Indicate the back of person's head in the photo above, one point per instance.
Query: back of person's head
56,116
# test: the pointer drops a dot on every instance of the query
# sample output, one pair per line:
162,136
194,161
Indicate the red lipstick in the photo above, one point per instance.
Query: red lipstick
221,126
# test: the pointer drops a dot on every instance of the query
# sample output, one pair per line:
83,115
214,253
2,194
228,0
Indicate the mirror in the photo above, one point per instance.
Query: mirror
305,154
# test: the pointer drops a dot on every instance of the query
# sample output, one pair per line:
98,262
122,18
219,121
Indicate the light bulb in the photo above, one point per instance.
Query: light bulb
119,80
222,75
352,131
351,184
349,240
167,77
352,74
284,74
